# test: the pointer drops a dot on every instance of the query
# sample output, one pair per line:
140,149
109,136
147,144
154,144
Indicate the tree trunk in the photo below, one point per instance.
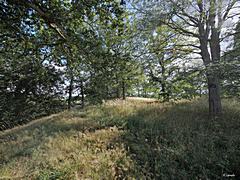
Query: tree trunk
118,92
138,90
70,93
82,95
214,99
107,92
215,106
123,90
164,92
144,92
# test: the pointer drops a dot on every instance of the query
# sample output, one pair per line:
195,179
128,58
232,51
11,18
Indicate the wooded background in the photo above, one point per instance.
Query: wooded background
55,54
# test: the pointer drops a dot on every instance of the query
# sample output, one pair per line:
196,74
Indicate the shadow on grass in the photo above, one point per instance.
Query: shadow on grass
181,142
164,141
22,141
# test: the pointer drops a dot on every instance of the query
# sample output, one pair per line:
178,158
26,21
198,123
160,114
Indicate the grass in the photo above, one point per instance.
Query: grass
131,139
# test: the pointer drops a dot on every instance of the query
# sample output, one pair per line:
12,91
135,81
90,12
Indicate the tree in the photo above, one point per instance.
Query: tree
47,44
163,63
208,19
204,22
28,88
230,72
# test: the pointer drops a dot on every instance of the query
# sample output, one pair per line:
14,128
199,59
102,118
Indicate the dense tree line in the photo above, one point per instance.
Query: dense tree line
54,54
51,50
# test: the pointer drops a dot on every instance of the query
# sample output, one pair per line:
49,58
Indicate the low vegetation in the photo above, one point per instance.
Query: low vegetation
68,68
132,139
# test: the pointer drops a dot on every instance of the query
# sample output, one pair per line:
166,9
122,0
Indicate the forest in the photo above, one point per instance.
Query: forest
119,89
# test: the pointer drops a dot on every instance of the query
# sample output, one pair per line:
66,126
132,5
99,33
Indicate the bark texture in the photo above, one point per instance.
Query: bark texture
70,89
82,95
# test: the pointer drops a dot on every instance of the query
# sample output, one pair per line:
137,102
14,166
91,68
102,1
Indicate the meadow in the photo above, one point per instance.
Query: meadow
132,139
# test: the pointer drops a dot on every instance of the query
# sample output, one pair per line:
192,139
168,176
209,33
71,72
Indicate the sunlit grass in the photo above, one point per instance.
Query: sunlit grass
126,139
68,147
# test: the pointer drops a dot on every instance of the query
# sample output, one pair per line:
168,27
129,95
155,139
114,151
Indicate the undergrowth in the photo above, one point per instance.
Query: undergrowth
127,140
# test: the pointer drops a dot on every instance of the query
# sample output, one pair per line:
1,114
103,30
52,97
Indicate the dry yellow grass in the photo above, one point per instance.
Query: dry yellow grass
131,139
63,146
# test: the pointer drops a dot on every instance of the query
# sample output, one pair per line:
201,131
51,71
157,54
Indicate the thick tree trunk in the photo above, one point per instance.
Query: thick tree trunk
164,92
70,93
82,94
214,99
215,106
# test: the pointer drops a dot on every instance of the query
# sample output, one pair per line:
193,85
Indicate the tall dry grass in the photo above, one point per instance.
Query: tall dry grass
133,139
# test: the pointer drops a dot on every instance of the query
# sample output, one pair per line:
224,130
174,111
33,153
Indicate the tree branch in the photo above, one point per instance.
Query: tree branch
43,15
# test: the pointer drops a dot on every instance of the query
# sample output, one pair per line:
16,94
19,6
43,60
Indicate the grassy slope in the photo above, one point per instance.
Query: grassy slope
130,139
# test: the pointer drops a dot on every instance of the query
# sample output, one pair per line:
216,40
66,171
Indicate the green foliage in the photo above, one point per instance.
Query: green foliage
167,69
48,44
28,89
230,67
99,51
